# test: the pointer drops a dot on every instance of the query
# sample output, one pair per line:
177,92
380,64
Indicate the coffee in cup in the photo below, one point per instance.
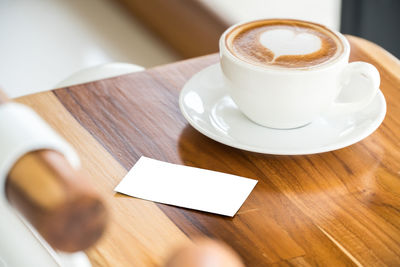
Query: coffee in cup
284,73
283,43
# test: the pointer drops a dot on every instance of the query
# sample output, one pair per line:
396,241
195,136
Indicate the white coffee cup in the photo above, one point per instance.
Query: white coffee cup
287,98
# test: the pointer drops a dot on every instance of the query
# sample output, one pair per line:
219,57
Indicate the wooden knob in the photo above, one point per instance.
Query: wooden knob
204,253
56,200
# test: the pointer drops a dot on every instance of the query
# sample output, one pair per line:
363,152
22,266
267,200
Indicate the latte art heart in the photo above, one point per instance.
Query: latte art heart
288,42
283,43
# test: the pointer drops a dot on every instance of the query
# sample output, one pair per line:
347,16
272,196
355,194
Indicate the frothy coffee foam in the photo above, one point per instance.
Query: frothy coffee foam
284,43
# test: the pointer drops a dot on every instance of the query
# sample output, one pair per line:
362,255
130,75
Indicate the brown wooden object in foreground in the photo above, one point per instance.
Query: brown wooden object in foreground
339,208
55,199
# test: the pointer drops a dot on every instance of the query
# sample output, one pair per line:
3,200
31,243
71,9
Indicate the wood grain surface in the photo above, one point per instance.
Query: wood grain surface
331,209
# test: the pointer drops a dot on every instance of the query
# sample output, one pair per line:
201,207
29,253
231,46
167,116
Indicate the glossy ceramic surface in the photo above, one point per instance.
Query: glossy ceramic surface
205,103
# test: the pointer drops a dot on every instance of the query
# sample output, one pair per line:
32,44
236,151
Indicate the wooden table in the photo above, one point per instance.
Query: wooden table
336,208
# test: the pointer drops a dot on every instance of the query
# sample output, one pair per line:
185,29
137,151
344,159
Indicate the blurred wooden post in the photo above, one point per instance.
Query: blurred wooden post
55,199
189,27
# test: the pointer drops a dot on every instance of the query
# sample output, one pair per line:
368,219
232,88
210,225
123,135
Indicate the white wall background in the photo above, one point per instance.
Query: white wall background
326,12
44,41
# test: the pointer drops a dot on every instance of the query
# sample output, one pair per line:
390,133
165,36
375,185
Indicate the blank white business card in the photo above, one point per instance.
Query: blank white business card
186,187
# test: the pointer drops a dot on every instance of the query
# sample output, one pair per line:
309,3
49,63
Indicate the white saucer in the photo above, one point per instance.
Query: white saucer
205,103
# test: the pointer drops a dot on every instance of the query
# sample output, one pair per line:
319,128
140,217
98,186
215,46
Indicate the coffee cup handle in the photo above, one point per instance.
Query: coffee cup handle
366,78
